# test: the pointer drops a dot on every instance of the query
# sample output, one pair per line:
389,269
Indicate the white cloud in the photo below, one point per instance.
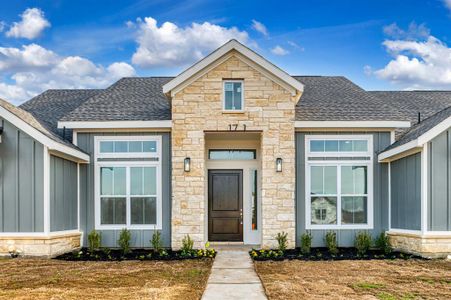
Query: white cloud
447,4
260,27
418,64
412,33
170,45
31,26
277,50
2,26
34,69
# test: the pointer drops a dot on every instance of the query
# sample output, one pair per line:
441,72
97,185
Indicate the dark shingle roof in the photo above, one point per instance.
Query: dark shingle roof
336,98
422,127
52,105
129,99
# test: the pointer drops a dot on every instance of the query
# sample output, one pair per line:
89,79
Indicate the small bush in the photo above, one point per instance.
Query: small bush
362,243
157,243
281,238
331,242
94,240
187,246
306,243
383,243
124,240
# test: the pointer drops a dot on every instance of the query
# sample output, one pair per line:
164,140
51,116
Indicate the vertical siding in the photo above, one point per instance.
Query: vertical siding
380,189
406,193
140,238
63,194
21,182
439,200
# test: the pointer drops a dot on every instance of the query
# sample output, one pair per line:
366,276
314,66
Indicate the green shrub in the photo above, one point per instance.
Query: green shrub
157,243
187,246
281,238
124,240
362,243
383,243
306,243
94,240
331,242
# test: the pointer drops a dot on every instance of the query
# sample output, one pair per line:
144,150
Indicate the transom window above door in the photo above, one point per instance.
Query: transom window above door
233,99
232,154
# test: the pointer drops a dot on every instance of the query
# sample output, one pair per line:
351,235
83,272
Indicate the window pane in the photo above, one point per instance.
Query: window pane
237,95
330,180
254,200
120,147
354,210
316,180
345,146
143,210
324,210
106,147
331,146
113,211
150,146
106,181
228,94
150,181
354,180
135,146
136,181
360,146
119,181
232,154
347,180
317,146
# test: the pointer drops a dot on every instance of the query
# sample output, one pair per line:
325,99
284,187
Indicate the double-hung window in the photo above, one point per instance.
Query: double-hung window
338,182
128,182
233,96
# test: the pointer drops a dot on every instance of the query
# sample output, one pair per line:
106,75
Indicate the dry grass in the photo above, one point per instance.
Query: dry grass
52,279
386,280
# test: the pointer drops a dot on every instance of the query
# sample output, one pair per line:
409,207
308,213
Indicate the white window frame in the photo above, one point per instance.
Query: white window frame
224,95
339,163
127,164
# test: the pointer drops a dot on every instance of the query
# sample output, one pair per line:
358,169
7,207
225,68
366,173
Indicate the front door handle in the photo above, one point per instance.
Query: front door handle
241,216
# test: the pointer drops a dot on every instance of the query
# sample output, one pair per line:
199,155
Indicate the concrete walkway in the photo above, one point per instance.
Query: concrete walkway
233,277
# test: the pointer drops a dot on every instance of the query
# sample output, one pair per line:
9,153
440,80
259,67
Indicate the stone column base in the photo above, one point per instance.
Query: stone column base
44,246
428,246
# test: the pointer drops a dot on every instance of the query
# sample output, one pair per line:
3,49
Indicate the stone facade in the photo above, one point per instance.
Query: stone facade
46,246
434,246
269,109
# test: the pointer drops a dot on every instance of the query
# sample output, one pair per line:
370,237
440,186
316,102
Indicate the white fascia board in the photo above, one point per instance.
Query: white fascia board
41,137
398,150
218,53
115,124
351,124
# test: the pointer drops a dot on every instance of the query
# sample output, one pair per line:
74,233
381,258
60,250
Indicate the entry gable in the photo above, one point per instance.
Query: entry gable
221,54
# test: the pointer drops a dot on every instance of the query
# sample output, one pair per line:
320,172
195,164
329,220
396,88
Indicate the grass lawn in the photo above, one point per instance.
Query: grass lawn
386,280
45,279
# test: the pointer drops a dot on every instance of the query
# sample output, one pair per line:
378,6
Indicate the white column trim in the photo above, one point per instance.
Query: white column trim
46,180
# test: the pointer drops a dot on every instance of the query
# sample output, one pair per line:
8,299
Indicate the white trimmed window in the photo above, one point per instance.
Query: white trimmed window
339,182
233,97
128,182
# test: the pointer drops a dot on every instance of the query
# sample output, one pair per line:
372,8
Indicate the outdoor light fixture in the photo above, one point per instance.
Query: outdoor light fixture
187,164
278,164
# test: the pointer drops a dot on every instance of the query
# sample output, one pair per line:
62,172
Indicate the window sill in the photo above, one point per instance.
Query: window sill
339,227
233,112
136,227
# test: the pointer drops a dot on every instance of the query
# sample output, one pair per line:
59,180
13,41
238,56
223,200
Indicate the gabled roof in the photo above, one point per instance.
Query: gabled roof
231,45
419,134
52,105
336,98
32,126
129,99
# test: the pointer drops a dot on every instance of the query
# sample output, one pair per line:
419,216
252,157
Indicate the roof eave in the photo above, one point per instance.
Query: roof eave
164,124
352,124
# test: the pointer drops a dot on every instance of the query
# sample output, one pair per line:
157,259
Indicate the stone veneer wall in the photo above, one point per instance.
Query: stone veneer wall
268,108
49,246
427,246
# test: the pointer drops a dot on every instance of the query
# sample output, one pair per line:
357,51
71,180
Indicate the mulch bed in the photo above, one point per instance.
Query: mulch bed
320,254
106,254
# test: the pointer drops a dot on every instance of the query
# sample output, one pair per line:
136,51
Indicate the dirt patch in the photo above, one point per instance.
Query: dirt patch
397,279
45,279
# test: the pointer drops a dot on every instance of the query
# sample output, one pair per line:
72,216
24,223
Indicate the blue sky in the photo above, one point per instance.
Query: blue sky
84,44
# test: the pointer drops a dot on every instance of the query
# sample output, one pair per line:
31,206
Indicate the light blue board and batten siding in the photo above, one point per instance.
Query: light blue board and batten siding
345,237
439,177
405,190
21,181
140,238
63,194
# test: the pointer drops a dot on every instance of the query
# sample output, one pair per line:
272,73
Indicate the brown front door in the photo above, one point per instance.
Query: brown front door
225,205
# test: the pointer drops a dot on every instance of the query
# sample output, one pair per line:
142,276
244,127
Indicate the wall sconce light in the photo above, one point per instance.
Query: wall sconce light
187,164
278,164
